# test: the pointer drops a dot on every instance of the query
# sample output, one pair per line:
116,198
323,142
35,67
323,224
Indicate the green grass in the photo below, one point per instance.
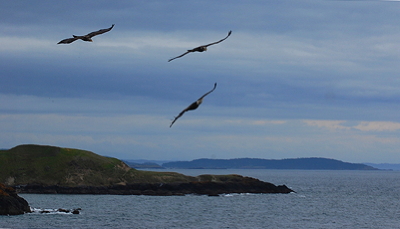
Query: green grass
49,165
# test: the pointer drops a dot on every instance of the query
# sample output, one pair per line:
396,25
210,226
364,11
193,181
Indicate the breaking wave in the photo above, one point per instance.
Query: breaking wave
61,211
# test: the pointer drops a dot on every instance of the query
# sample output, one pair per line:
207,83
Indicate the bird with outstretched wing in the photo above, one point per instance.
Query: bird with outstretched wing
194,105
87,37
201,48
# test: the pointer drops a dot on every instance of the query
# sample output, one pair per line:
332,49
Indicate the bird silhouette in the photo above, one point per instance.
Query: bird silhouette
201,48
87,37
194,105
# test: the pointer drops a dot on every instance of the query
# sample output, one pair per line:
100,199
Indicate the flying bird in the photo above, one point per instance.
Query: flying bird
87,37
194,105
201,48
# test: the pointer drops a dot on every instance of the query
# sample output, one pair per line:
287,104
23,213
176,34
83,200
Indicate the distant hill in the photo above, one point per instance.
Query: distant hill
385,166
144,164
144,161
50,165
254,163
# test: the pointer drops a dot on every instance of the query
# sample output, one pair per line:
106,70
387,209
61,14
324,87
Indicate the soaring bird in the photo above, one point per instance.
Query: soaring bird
201,48
87,37
194,105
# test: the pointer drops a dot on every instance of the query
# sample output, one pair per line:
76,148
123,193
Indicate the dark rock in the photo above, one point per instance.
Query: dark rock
213,194
76,211
11,203
207,185
63,210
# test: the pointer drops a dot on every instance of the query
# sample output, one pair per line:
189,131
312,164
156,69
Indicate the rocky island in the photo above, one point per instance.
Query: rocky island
50,169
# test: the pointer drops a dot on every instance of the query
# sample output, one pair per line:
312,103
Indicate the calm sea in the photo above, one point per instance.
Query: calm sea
324,199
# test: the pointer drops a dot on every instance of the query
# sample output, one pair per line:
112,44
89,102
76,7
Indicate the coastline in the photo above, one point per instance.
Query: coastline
205,187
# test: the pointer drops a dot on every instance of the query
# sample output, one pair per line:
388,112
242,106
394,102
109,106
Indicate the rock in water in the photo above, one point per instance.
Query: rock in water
76,211
11,203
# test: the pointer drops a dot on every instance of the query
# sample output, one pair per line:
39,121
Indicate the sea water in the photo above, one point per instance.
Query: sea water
323,199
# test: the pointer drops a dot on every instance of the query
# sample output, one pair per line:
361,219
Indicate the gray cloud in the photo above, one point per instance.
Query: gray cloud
286,60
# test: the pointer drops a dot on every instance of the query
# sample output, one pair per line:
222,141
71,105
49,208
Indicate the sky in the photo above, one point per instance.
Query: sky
295,79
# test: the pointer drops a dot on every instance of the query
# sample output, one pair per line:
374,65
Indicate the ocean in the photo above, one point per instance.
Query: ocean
323,199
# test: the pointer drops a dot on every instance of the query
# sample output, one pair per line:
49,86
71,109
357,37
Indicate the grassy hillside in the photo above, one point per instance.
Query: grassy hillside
49,165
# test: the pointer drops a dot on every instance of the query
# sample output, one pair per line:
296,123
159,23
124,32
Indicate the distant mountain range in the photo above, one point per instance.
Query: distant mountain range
254,163
154,164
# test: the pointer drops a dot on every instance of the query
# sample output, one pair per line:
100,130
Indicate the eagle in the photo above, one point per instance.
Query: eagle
87,37
194,105
201,48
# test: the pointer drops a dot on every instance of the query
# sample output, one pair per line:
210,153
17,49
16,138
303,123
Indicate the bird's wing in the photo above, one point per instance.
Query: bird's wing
215,85
192,106
176,118
229,33
92,34
68,40
178,56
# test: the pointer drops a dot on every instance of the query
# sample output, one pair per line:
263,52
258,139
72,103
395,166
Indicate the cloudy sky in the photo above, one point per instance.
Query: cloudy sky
295,78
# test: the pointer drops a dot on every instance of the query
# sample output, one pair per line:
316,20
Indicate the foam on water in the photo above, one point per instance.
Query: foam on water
238,194
50,211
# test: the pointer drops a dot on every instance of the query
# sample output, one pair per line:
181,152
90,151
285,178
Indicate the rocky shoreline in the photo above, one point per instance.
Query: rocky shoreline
210,188
11,203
